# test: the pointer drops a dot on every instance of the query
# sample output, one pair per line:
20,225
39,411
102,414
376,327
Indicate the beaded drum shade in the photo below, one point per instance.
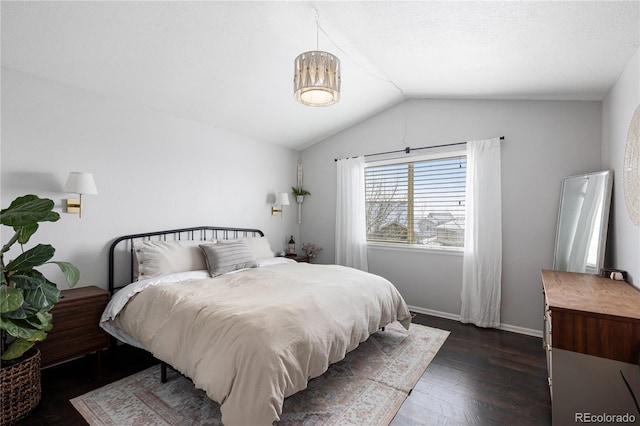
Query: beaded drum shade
316,80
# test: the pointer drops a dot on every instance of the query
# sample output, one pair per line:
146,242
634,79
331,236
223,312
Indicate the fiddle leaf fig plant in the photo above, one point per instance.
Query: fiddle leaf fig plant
26,295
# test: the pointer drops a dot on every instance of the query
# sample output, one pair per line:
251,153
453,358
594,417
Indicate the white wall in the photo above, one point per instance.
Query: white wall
617,110
544,141
157,171
153,171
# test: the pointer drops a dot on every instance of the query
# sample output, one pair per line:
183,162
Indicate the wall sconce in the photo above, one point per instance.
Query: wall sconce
79,183
282,199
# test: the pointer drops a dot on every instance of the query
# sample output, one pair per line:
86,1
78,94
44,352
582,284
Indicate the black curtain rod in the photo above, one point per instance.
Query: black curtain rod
408,149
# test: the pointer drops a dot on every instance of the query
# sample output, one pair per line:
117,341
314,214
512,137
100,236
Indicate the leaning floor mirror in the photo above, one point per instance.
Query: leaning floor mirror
583,220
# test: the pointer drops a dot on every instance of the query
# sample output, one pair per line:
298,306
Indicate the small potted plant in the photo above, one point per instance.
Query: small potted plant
26,297
299,192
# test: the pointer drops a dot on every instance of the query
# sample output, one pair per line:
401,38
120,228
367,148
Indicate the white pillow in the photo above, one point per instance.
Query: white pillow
258,246
155,258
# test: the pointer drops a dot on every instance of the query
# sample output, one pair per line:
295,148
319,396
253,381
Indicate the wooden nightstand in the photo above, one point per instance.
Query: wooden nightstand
76,330
298,257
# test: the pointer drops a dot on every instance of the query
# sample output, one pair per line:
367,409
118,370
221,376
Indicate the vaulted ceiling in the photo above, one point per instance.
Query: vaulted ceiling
230,64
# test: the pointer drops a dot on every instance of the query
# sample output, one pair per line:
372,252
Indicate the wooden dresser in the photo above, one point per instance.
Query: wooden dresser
591,336
76,331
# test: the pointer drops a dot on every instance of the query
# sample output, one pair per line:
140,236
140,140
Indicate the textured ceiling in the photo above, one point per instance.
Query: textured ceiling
230,64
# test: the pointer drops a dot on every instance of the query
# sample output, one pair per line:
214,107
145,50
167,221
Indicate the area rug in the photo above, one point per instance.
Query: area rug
366,388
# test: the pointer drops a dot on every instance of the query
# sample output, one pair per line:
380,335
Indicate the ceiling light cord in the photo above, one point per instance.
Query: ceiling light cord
362,67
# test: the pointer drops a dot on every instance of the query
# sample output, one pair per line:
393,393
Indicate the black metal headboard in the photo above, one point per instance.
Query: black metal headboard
122,248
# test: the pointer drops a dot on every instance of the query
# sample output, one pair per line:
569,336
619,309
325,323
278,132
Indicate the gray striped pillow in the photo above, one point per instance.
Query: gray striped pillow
223,258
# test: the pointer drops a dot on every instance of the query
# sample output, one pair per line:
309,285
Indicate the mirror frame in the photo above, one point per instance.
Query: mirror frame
606,208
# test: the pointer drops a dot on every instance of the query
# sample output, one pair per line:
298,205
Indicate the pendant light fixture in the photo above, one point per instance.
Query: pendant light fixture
316,80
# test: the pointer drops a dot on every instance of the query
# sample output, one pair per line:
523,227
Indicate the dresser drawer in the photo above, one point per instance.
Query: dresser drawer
76,330
592,336
62,347
80,316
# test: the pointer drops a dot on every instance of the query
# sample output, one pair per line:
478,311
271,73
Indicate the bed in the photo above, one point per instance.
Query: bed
245,326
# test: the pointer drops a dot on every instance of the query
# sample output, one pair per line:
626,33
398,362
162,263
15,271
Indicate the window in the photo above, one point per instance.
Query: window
417,203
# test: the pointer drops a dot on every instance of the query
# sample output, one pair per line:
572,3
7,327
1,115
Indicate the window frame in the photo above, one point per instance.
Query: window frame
400,246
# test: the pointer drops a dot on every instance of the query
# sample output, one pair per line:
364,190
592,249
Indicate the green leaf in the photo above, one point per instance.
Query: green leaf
18,328
33,257
28,279
10,326
41,321
299,191
70,272
24,312
17,348
25,232
11,299
46,320
13,239
19,313
28,210
43,297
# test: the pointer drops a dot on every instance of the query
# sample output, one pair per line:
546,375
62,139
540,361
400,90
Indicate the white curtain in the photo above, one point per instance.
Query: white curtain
351,223
482,270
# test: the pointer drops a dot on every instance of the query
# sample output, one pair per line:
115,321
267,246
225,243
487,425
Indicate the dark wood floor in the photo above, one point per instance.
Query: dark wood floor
479,377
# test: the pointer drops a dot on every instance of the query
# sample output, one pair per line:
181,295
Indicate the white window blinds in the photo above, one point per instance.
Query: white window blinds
417,203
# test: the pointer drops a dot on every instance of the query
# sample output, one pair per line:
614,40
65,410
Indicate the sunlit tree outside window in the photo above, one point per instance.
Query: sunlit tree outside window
417,203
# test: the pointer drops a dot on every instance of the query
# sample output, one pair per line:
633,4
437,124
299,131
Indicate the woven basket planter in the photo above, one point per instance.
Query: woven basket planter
20,384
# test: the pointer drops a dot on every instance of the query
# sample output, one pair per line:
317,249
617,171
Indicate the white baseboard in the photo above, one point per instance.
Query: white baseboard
521,330
456,317
431,312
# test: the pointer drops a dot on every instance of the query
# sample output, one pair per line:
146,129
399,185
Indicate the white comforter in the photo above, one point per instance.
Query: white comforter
252,338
